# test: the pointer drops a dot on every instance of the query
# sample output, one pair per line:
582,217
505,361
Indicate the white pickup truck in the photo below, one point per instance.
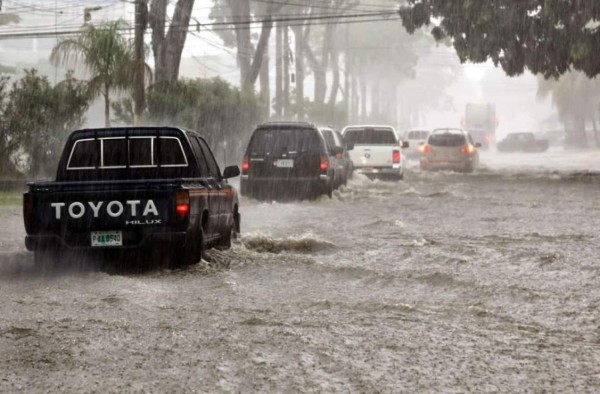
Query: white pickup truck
376,151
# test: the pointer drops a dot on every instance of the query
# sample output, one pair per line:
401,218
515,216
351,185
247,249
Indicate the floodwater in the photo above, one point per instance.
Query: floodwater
486,282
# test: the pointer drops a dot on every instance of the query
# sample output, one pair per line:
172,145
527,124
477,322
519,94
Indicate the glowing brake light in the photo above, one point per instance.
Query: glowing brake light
182,203
324,166
467,149
425,149
245,164
396,157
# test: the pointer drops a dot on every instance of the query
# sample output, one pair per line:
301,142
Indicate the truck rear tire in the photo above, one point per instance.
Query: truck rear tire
232,233
190,253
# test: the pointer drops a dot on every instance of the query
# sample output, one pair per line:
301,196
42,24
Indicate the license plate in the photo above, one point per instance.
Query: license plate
284,163
107,238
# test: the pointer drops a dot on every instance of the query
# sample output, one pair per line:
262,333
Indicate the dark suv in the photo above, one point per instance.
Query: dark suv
288,159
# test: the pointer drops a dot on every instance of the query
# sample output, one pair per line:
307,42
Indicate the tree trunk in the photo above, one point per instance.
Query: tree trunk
265,87
279,71
335,85
363,100
141,13
299,71
261,49
168,47
320,67
240,11
375,109
347,83
286,72
249,58
353,115
106,108
596,131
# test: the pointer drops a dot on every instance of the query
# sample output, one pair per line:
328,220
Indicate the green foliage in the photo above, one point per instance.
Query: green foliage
9,139
10,198
218,111
320,113
7,69
37,118
577,100
548,37
105,54
6,19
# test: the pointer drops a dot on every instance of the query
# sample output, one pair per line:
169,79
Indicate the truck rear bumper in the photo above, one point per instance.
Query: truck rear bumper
150,241
396,170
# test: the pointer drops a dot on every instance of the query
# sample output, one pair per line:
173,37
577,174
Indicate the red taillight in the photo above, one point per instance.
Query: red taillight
324,163
396,157
183,209
182,203
245,164
425,149
467,149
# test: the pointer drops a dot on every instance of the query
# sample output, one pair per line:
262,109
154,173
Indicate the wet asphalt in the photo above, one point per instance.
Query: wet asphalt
445,282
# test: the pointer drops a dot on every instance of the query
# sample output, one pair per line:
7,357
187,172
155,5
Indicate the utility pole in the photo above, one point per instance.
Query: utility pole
139,96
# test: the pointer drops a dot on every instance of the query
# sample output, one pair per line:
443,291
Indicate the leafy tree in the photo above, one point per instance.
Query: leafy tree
36,118
577,100
220,112
9,139
547,37
105,54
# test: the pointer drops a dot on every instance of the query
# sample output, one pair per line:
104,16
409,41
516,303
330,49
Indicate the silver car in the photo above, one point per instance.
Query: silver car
415,139
449,149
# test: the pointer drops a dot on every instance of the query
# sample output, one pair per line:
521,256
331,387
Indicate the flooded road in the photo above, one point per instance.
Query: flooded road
445,282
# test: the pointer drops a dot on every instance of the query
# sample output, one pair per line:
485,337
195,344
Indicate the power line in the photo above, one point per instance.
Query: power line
293,21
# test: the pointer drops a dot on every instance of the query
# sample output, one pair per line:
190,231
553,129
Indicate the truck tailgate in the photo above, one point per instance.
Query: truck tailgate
73,210
373,156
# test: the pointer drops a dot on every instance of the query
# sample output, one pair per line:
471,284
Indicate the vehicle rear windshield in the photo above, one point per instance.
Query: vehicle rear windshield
449,140
279,141
370,136
122,152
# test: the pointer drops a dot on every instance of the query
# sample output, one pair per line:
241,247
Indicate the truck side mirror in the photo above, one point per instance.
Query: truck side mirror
405,144
231,172
478,145
349,145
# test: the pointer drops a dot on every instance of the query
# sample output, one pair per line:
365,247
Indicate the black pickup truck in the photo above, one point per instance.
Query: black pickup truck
142,189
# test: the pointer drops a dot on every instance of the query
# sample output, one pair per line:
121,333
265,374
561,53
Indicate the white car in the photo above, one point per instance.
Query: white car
376,151
415,138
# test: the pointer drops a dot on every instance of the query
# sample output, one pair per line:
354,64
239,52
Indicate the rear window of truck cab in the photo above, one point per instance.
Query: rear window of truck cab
126,152
370,136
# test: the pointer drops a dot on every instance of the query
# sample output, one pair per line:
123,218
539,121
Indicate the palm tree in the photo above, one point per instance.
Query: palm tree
105,54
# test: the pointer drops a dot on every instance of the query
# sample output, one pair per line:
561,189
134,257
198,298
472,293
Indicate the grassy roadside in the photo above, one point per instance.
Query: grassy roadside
11,198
